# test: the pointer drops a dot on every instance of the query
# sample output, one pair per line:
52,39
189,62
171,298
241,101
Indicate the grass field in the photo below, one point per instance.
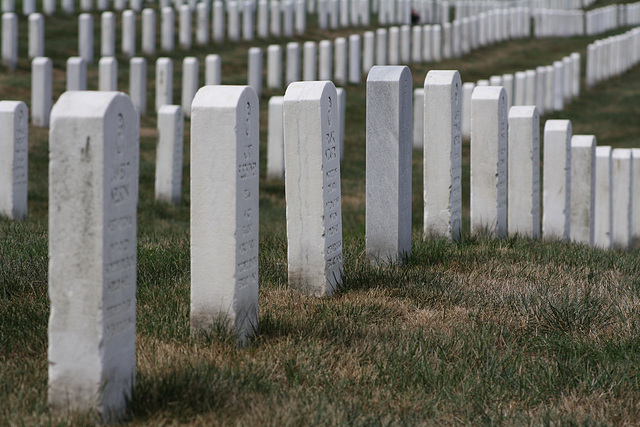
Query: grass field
485,331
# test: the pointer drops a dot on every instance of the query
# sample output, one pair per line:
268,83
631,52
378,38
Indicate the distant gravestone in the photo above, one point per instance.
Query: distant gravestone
10,40
108,74
164,82
340,61
388,164
309,69
368,51
520,88
523,202
355,62
36,35
167,25
442,174
583,186
85,36
558,86
635,199
274,66
184,30
275,24
489,160
325,59
541,82
418,119
427,44
217,28
41,91
233,21
342,115
275,141
416,44
292,73
603,222
507,83
93,196
202,23
190,82
312,188
149,32
76,73
556,192
622,179
224,210
549,89
530,92
263,19
467,91
168,182
129,33
393,54
138,83
107,34
255,69
14,159
381,46
212,70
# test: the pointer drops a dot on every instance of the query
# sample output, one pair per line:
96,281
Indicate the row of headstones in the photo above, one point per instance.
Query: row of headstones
561,4
612,56
94,155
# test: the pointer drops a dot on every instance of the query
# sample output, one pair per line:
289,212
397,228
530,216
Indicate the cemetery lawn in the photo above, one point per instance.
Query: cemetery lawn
483,331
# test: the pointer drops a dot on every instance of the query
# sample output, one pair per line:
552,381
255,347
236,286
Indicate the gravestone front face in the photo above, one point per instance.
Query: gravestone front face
274,66
556,193
442,155
76,73
603,222
107,34
312,187
275,142
190,82
168,182
224,209
138,83
622,179
93,196
212,70
583,177
524,171
489,160
388,162
164,82
418,119
14,159
41,91
108,74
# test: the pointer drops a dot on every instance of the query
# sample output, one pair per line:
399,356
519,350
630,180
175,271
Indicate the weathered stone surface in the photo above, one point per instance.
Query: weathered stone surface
14,159
556,192
622,179
168,184
583,186
603,222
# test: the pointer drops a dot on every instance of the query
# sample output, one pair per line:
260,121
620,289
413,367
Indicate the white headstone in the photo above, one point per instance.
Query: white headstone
405,44
218,22
14,159
164,82
312,188
418,118
76,73
393,54
309,70
442,171
275,142
108,74
10,40
530,91
520,88
129,33
368,51
274,66
381,46
622,179
507,83
340,61
263,19
190,85
288,18
48,7
85,36
388,164
575,79
212,70
93,197
107,34
489,160
556,191
325,59
583,177
233,20
292,73
603,222
167,29
540,92
41,91
248,31
202,23
467,90
149,32
275,23
549,89
255,70
558,86
427,43
36,35
184,30
416,44
355,63
524,171
168,184
225,210
138,83
342,115
300,16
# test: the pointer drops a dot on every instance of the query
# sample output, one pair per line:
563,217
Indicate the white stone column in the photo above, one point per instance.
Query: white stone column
622,179
520,88
107,34
167,29
309,70
368,51
442,161
93,185
190,85
530,92
274,66
381,46
288,18
325,59
149,32
489,160
342,115
263,19
558,86
388,164
184,30
212,70
418,119
85,36
355,62
255,70
416,44
467,91
10,40
108,74
603,221
507,83
524,172
48,7
556,191
436,39
575,79
129,33
233,21
168,183
292,73
41,91
393,55
36,35
312,188
248,31
164,82
541,82
300,17
427,43
218,22
225,210
202,23
275,141
76,73
138,84
340,61
14,159
276,18
583,187
405,44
